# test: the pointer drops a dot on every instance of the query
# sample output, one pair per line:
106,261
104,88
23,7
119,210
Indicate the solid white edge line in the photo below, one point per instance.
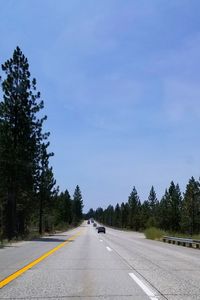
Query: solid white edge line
108,248
147,291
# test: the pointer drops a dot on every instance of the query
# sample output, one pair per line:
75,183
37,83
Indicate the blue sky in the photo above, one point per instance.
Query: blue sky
120,80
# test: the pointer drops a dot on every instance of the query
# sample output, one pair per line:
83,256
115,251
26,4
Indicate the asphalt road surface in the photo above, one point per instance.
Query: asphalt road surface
116,265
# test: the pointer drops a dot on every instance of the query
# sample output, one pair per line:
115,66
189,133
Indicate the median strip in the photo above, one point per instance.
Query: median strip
16,274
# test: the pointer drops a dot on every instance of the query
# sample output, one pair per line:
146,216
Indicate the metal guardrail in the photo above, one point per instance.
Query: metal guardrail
182,242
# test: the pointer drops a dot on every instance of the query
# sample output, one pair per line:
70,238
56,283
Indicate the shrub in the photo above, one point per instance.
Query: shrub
154,233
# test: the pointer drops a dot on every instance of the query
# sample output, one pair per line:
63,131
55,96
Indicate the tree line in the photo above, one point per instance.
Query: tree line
175,212
29,197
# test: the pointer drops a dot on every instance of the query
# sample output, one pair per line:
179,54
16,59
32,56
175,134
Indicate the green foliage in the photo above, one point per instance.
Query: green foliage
20,139
109,215
64,208
77,205
124,214
134,210
117,216
170,208
152,201
90,214
154,233
28,196
173,214
190,218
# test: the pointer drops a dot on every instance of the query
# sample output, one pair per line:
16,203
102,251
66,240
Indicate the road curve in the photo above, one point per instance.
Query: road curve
115,265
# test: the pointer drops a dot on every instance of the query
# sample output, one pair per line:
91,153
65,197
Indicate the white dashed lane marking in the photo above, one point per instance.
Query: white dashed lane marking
109,249
145,288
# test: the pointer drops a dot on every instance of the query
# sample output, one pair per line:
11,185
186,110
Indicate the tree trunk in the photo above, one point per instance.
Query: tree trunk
11,215
41,215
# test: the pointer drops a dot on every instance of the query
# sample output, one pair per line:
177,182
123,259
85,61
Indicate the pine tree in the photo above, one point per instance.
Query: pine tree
99,215
146,216
117,216
46,185
77,205
175,199
164,211
109,215
190,218
150,209
135,210
153,202
64,209
90,214
68,207
170,208
124,214
21,131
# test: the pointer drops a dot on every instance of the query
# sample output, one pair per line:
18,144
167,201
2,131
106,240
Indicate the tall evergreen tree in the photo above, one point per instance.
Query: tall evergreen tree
109,215
150,210
164,211
153,202
175,199
64,209
146,215
170,208
46,184
68,207
21,131
117,216
77,205
124,214
90,214
135,210
190,219
99,215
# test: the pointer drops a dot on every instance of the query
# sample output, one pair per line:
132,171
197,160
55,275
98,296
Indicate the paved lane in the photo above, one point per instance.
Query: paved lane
86,268
117,265
174,271
13,257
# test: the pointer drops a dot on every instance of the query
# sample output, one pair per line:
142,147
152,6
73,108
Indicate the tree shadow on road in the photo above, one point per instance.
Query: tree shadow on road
7,246
49,240
59,235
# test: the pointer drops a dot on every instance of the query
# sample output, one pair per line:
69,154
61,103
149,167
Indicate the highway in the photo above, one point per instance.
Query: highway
116,265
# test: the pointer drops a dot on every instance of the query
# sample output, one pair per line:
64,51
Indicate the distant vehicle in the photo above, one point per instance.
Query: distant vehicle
95,224
88,222
92,220
101,229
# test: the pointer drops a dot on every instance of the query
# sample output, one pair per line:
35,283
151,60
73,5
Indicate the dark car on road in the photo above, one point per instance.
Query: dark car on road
88,222
101,229
95,224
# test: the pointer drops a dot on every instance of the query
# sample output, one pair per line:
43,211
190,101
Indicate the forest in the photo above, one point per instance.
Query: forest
175,212
30,200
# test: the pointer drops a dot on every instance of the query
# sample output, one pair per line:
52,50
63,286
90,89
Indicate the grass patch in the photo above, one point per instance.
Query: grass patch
154,233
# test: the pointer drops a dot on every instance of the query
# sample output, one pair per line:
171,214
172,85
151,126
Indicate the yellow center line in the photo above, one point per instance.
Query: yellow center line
16,274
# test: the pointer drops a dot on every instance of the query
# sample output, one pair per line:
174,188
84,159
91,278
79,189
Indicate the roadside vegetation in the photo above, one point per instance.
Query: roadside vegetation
30,200
174,214
154,233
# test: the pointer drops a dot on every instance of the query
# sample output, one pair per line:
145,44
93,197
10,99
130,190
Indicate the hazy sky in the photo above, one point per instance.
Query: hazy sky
121,85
